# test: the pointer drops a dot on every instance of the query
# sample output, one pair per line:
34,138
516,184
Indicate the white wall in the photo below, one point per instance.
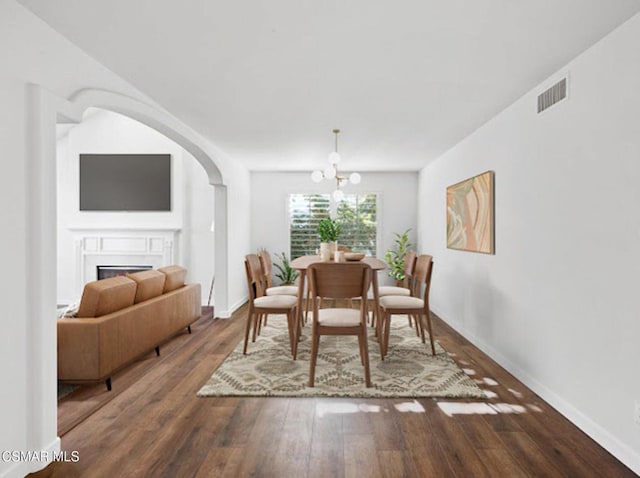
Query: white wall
198,239
270,206
32,53
192,197
240,227
13,290
556,305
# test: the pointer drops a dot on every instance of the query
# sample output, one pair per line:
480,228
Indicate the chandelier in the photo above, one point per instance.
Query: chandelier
331,172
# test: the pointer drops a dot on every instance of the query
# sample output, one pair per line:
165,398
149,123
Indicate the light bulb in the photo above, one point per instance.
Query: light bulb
334,158
338,195
330,172
317,176
354,178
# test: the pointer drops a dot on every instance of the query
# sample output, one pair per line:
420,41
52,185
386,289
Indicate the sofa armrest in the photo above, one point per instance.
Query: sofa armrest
84,348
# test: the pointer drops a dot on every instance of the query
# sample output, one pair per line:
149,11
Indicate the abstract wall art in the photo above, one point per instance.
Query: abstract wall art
470,214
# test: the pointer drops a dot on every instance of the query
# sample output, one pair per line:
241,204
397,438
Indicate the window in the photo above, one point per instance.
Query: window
357,213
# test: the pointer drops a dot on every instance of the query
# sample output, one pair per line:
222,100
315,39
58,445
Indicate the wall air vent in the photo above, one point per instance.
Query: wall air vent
550,97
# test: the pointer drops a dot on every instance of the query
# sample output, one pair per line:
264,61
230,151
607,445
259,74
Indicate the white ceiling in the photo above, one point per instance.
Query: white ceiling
267,81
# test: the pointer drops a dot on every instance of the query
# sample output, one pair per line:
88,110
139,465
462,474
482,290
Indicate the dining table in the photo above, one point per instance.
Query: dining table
303,262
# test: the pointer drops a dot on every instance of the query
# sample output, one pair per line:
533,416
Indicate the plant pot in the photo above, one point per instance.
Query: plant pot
327,250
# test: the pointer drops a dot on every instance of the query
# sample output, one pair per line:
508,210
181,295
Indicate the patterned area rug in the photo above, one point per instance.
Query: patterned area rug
409,370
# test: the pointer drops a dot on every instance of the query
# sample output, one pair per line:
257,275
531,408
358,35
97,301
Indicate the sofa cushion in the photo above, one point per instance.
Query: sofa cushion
107,295
150,284
175,277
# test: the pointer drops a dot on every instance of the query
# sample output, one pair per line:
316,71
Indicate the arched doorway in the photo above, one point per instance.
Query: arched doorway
45,111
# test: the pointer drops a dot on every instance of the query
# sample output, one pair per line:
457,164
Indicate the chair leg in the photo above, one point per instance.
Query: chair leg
365,355
258,327
379,332
361,349
247,330
387,330
375,314
290,328
256,323
306,305
418,323
420,327
296,328
433,347
315,341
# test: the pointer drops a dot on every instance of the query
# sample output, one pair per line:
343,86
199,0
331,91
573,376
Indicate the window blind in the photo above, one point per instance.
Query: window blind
356,213
305,212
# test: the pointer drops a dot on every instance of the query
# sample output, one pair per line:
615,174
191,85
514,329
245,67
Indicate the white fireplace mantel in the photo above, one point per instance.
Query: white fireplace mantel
96,246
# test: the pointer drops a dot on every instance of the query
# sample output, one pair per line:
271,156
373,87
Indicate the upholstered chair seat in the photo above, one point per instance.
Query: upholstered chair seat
401,302
339,317
391,290
283,290
275,301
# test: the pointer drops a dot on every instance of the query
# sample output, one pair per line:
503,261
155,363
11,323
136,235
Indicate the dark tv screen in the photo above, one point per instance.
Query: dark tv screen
125,182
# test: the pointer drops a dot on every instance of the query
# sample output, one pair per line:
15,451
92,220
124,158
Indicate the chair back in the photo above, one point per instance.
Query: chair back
422,274
267,266
342,280
408,269
255,276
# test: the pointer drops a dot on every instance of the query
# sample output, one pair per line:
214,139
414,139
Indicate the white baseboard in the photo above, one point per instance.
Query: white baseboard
226,314
619,449
23,468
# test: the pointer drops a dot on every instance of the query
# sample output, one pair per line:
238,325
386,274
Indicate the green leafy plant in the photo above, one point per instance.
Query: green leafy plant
329,230
395,257
286,274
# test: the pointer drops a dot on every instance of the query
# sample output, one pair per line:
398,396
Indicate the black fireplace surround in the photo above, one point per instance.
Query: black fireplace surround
104,272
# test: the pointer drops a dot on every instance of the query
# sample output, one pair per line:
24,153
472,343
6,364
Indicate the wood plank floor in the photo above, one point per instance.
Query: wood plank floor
153,425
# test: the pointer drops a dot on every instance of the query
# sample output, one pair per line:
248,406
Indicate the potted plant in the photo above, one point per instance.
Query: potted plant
328,232
286,274
395,257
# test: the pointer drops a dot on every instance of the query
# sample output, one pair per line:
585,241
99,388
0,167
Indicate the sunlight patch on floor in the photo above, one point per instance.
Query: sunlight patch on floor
342,408
478,408
413,407
515,393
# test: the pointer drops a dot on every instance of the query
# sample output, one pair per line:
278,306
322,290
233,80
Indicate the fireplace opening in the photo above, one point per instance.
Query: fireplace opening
104,272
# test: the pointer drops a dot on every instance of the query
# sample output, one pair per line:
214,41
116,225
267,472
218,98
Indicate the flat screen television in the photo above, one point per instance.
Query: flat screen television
125,182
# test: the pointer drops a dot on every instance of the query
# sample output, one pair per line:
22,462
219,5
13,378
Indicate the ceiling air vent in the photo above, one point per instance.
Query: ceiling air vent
550,97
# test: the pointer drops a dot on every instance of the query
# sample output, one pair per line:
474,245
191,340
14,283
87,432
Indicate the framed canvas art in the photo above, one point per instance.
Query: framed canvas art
470,214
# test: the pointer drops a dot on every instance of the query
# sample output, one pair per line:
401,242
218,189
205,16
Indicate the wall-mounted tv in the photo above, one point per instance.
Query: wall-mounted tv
125,182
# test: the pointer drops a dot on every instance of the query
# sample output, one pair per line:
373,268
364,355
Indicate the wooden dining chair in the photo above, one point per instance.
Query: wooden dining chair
408,284
261,304
267,268
340,281
408,281
409,305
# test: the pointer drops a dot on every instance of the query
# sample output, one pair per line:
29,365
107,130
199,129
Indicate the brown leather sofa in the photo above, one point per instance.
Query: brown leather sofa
122,318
